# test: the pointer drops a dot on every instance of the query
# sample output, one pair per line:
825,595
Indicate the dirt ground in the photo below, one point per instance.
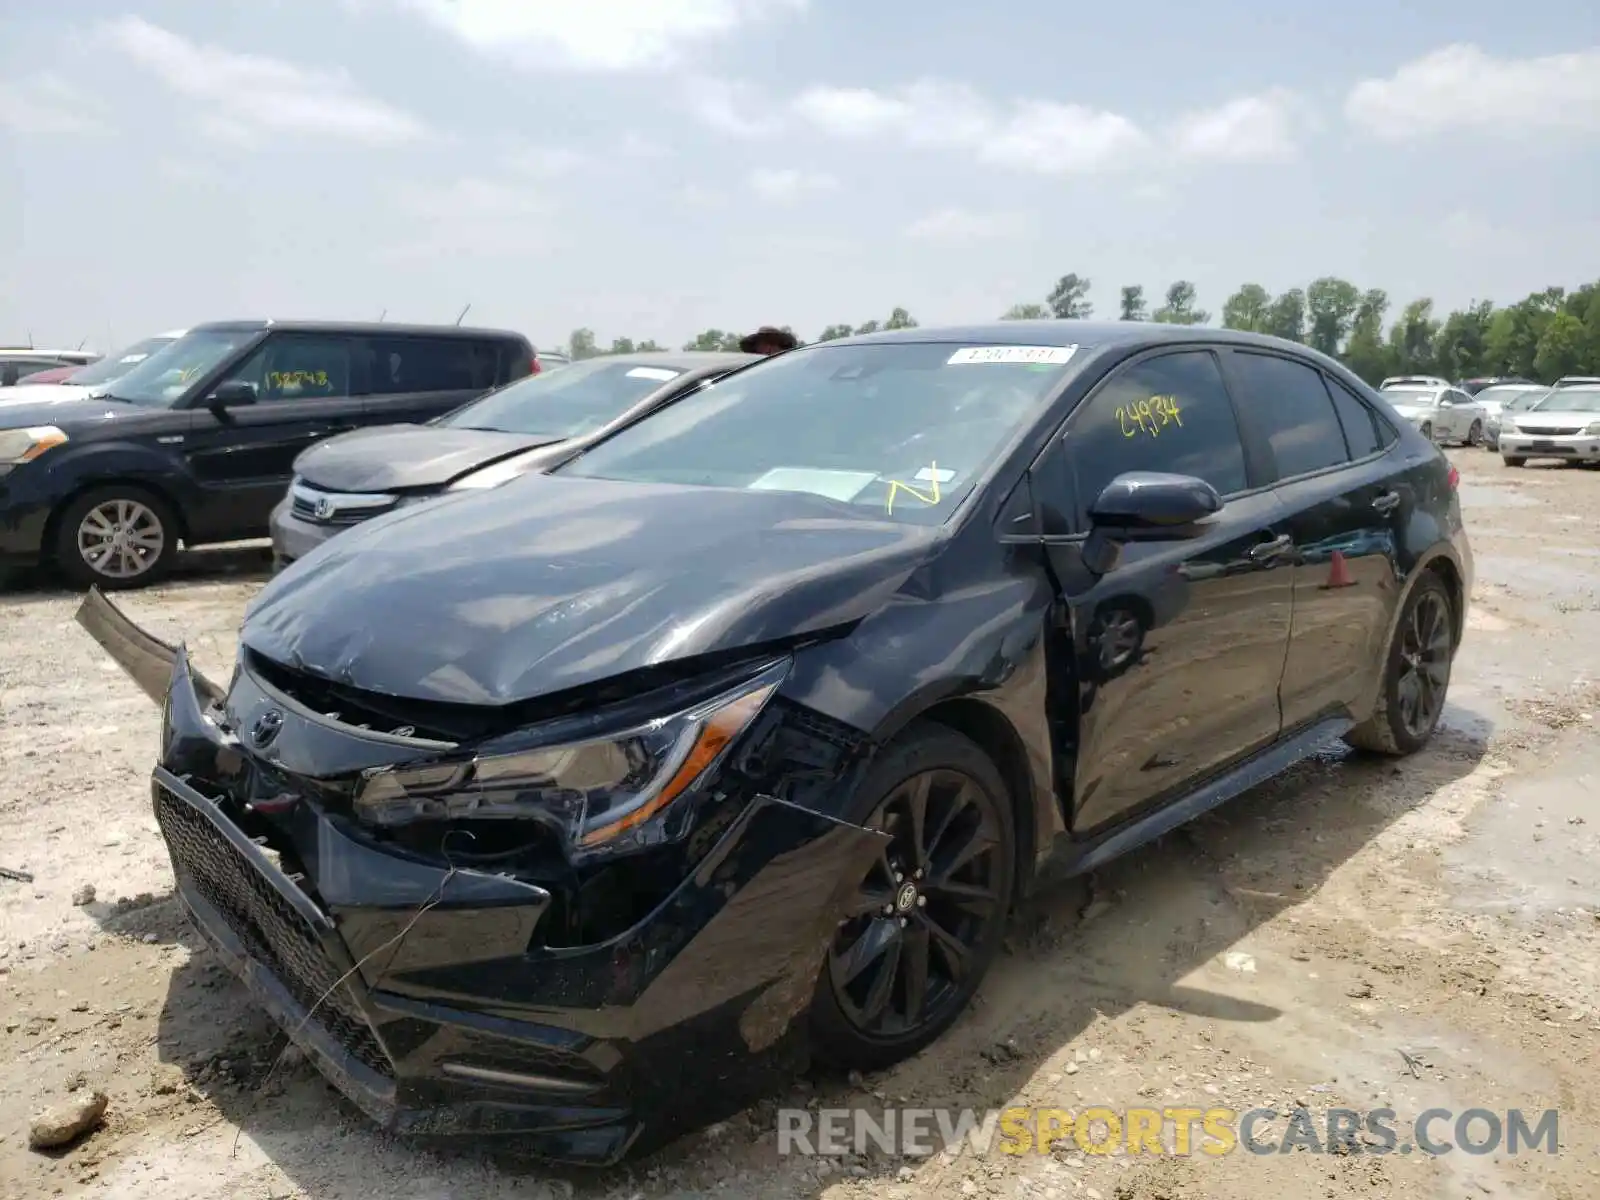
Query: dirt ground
1360,934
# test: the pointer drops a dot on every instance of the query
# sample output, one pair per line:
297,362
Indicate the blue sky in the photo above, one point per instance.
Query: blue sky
651,168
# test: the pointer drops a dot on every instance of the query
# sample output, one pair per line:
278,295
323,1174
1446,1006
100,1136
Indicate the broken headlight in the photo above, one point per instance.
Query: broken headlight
590,792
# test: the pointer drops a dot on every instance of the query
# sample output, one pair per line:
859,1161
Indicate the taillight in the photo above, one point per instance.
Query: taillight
533,365
1454,477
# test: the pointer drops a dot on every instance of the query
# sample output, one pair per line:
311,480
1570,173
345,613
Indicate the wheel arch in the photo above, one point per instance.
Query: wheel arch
998,738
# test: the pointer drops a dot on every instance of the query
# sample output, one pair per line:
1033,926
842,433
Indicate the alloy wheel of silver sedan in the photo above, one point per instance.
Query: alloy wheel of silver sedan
121,539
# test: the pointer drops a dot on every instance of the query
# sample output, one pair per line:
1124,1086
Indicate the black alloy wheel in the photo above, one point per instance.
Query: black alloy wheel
1417,676
926,922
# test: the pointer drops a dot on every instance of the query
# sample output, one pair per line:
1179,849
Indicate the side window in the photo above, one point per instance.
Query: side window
1169,413
1364,431
1288,402
419,364
297,367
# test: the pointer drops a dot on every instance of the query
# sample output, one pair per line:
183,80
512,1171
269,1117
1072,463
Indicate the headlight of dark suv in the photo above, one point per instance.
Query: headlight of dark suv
593,792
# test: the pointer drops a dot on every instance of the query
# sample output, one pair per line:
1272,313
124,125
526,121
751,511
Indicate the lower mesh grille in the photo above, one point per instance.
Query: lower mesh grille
273,932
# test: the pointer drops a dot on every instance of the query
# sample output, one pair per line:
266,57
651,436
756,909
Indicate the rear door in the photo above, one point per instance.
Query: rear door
1336,481
307,387
415,378
1178,649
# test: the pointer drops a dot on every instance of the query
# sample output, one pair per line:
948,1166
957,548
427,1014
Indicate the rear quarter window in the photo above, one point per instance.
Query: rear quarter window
405,364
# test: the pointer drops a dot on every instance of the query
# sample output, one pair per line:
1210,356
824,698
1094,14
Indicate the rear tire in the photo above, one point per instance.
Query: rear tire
115,538
1513,460
1416,674
929,918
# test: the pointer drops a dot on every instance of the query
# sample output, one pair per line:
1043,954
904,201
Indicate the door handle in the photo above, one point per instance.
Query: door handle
1387,502
1276,548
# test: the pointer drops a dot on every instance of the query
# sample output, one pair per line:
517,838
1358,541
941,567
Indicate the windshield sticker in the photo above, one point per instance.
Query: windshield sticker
1149,417
132,358
931,473
835,485
658,373
1052,356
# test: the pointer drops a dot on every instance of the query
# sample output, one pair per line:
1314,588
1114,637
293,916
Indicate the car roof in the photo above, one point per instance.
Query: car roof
380,328
1083,334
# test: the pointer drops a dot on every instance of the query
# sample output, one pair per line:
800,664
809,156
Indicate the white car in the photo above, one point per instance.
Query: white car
1501,398
1564,424
1439,411
90,379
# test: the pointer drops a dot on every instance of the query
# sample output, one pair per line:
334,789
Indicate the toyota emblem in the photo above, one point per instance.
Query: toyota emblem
266,728
324,509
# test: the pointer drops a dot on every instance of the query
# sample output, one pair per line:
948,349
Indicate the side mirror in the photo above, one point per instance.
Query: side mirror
231,394
1146,506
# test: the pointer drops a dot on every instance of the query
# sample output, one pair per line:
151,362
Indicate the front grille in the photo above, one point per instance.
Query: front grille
273,932
306,510
1564,431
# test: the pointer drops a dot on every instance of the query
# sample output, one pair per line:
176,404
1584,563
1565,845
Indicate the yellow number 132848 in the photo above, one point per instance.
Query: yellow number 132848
1150,417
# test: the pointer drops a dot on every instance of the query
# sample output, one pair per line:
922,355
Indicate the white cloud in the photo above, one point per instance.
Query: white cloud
246,95
543,162
1459,87
783,185
1031,135
729,106
598,35
1257,128
961,225
47,105
475,215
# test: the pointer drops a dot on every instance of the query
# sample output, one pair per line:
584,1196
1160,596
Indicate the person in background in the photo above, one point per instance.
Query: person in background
768,340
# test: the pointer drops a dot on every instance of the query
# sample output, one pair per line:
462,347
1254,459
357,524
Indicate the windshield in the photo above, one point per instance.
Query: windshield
1572,399
1415,397
115,366
1527,400
171,371
899,430
1507,392
567,403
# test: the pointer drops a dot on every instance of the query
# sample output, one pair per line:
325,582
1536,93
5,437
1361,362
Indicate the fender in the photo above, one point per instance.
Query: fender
1442,552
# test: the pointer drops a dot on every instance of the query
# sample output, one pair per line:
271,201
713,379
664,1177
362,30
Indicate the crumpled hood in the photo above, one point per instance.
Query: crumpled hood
38,395
406,457
70,413
549,583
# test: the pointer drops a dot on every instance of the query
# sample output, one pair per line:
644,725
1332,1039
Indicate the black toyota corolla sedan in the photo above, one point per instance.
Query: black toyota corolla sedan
586,807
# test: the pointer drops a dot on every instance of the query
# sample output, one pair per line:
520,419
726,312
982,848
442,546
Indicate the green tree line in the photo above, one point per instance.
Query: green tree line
1544,336
1548,334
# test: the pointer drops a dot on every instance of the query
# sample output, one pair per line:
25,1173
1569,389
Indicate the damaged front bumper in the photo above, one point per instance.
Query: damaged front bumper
424,992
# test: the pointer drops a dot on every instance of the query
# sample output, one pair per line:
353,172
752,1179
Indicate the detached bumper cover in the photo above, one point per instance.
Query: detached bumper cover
424,995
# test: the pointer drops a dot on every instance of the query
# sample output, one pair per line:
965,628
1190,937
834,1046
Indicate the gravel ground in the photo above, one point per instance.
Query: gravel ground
1358,933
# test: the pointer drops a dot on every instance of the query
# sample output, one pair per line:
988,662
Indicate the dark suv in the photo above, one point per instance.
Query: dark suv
196,443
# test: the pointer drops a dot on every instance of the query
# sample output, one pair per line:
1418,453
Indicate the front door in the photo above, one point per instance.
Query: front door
1178,649
306,388
1342,507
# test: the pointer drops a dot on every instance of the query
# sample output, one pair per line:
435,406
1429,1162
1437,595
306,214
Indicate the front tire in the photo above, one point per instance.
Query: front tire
1475,434
1513,460
1416,674
928,920
115,538
1426,430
